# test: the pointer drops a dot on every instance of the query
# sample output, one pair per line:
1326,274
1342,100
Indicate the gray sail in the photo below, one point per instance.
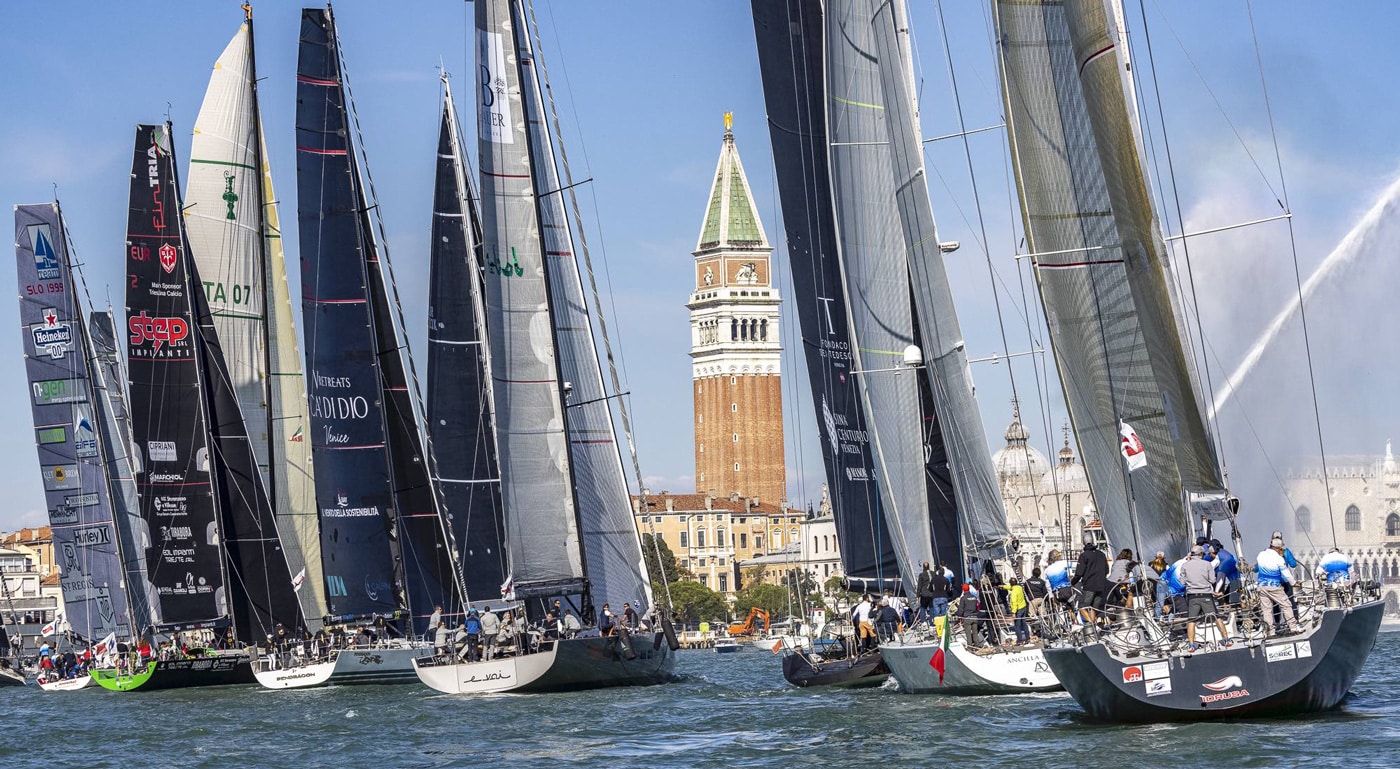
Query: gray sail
607,529
1075,228
541,527
114,430
979,505
876,282
86,544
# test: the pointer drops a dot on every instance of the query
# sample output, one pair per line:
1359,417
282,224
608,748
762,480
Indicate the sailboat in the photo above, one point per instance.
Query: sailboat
82,455
569,532
235,238
1129,379
850,172
214,560
386,548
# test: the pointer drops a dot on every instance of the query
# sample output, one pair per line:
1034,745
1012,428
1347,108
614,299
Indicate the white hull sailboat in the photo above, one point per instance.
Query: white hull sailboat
65,684
387,664
967,671
562,665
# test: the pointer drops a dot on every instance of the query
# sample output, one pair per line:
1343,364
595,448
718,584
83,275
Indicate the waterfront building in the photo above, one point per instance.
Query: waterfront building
734,349
1364,493
1047,507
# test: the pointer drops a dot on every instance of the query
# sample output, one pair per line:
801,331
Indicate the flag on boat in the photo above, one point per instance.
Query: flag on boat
939,659
778,646
1133,451
49,629
106,645
508,588
296,436
298,579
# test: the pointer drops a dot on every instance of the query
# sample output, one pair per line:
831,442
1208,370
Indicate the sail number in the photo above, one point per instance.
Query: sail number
239,293
34,289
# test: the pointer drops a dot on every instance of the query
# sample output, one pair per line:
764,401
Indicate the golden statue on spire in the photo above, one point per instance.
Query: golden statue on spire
728,121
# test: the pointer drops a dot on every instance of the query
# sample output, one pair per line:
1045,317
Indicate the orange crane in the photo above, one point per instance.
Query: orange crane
749,625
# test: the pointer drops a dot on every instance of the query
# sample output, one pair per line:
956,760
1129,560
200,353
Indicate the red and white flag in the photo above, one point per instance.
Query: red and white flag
298,580
106,645
1133,451
49,629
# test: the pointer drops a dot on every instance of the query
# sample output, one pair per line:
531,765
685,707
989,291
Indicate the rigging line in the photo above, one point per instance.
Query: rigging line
593,280
1267,182
793,350
1297,273
1185,246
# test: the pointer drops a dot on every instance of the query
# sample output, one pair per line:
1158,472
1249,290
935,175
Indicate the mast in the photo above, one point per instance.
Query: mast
460,401
791,60
541,510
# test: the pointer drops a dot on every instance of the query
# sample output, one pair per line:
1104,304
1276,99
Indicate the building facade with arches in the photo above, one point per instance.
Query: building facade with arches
1364,500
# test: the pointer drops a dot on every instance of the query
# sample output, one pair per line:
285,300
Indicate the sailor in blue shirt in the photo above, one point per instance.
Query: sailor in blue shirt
1057,575
1228,567
1336,567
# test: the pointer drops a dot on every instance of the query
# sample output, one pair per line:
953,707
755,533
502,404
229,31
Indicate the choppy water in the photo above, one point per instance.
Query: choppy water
724,710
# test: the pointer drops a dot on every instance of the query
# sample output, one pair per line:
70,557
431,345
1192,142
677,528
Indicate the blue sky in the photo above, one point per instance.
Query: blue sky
642,89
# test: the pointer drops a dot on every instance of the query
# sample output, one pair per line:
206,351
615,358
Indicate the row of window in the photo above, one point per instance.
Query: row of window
1351,520
719,518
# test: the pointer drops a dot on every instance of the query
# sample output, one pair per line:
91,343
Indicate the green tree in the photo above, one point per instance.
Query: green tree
770,598
667,569
697,603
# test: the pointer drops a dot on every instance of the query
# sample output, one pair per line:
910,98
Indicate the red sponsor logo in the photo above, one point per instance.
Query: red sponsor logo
168,255
159,331
1131,674
1233,694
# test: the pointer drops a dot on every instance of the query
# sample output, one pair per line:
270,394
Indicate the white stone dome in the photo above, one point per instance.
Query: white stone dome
1019,461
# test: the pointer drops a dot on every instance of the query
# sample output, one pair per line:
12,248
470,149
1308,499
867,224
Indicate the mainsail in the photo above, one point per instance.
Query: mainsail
957,423
185,558
607,528
218,557
231,220
459,403
790,58
1100,265
544,549
384,540
878,290
69,434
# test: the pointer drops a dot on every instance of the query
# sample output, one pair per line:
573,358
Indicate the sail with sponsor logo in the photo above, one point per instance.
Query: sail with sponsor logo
386,546
215,558
231,220
459,399
73,437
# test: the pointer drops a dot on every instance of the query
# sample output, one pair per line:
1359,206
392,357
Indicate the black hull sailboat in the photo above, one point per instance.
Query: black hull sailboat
868,669
1284,676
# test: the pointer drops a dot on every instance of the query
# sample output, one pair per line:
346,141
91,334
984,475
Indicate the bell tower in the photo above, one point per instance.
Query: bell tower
734,349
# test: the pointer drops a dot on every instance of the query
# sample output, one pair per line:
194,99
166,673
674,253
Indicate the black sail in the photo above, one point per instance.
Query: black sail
459,396
184,558
359,549
385,545
790,58
259,582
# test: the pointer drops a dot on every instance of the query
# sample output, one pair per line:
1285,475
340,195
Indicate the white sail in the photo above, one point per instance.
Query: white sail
231,218
536,479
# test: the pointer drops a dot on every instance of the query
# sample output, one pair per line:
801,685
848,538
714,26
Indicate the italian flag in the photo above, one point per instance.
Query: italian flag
937,660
